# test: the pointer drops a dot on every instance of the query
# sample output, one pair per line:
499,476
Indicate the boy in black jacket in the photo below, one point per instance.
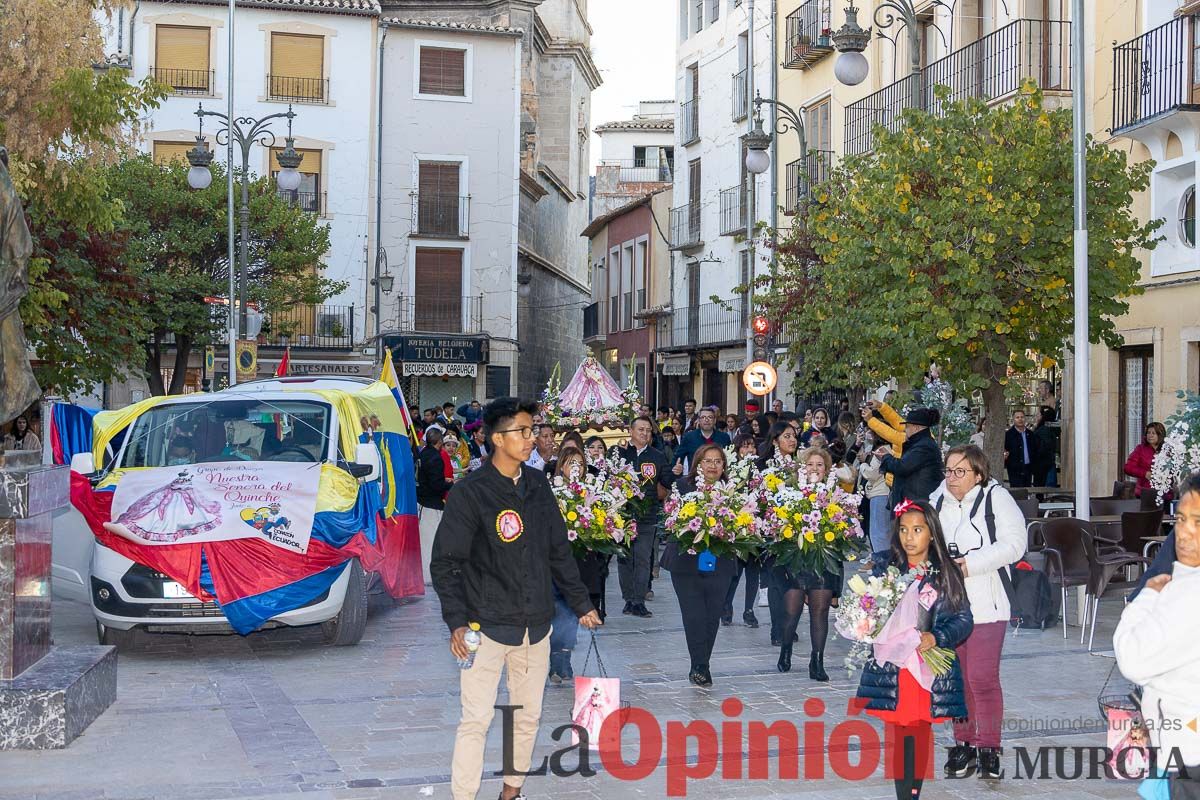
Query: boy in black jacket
500,549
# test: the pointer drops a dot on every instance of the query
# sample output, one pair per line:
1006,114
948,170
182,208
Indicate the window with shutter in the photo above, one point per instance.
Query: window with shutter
297,67
168,152
443,71
181,59
437,300
309,195
438,198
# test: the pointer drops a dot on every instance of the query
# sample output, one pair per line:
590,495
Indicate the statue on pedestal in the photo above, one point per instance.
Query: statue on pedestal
18,388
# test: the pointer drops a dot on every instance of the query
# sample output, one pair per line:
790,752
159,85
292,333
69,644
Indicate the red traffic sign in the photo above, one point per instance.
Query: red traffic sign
760,378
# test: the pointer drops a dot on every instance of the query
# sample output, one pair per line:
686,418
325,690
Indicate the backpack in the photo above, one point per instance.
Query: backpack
1030,600
1034,603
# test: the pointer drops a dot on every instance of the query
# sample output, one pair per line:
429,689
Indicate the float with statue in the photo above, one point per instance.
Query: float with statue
592,401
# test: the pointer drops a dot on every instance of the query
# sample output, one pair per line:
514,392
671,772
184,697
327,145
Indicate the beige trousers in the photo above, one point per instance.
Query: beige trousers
527,665
428,521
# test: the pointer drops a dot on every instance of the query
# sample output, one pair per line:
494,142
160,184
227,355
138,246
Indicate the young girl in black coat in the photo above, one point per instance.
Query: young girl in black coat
908,697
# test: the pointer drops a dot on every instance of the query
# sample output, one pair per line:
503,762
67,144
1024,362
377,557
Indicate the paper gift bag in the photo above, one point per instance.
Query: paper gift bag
596,697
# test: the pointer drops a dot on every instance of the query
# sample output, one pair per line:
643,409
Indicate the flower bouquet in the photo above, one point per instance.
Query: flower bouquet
619,476
866,608
715,518
592,512
811,526
1179,455
741,471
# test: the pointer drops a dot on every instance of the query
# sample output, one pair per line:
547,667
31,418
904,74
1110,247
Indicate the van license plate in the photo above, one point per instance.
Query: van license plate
173,589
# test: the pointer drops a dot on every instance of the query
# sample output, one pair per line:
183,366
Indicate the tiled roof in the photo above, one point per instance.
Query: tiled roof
443,25
647,124
364,7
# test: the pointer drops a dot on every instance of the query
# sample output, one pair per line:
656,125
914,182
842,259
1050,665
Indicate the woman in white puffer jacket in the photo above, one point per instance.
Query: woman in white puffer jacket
962,502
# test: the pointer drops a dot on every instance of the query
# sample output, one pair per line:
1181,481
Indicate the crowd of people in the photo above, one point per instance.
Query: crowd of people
947,515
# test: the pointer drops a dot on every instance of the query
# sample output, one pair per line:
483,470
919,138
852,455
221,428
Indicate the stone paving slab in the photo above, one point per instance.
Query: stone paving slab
278,714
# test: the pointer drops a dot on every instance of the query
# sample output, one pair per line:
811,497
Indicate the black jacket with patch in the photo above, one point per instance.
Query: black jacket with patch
499,551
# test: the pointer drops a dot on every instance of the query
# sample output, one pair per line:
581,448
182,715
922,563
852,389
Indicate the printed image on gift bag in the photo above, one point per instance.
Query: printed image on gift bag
595,699
1128,738
1130,744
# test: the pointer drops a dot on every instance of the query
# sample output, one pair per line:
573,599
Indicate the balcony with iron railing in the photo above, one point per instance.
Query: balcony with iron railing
820,163
313,327
312,202
1153,75
440,314
297,90
593,322
991,68
809,30
733,211
704,325
638,170
689,121
741,103
685,227
186,81
440,216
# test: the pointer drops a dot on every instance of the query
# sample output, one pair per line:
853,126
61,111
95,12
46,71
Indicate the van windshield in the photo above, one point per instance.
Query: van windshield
228,430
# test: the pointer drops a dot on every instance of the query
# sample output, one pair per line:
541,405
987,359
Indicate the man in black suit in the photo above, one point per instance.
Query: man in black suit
1020,452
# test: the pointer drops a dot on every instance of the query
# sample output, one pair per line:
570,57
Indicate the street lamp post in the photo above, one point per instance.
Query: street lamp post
758,159
851,39
246,132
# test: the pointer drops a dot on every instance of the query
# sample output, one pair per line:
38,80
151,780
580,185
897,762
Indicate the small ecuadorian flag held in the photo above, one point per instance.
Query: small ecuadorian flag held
395,451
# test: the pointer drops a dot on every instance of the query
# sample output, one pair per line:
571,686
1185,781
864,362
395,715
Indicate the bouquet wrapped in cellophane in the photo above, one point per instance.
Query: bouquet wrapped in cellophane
592,510
716,518
866,608
809,525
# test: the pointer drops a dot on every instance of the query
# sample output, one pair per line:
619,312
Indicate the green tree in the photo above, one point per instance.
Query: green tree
63,118
178,249
951,243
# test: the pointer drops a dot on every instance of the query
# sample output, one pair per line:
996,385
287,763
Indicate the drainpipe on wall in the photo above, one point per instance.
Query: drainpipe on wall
132,18
379,196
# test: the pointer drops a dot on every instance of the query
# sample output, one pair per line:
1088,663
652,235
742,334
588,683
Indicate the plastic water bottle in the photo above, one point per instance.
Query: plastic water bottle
473,640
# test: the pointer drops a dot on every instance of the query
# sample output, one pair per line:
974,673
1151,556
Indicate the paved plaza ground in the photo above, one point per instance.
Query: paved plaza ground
278,714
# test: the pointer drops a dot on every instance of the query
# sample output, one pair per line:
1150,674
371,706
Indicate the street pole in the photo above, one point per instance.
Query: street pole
751,182
233,320
243,249
1083,377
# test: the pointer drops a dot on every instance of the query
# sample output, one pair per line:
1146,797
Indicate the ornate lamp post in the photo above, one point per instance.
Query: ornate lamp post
758,142
851,39
246,132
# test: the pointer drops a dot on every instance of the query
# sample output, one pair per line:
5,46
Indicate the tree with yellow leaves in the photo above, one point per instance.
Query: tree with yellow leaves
951,243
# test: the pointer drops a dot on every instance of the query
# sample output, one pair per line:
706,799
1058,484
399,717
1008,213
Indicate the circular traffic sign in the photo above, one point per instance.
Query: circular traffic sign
759,378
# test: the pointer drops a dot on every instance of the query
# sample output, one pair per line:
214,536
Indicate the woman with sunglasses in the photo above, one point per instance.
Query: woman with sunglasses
985,533
701,592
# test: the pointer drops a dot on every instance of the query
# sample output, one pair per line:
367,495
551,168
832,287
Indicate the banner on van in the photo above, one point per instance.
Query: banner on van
270,500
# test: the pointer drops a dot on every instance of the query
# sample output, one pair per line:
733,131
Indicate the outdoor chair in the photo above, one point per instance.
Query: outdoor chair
1149,501
1137,524
1066,556
1110,507
1124,490
1103,567
1029,507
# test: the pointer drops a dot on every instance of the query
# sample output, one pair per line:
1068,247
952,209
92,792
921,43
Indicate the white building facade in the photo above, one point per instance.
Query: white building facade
637,156
721,58
316,59
450,187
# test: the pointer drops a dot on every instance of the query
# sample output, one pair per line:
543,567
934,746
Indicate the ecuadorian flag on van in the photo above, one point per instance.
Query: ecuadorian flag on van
253,580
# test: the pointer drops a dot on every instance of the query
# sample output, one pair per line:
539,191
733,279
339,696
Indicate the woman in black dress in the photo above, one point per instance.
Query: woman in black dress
701,593
781,444
815,588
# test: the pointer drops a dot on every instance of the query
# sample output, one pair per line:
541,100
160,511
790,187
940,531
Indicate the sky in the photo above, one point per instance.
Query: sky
633,43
